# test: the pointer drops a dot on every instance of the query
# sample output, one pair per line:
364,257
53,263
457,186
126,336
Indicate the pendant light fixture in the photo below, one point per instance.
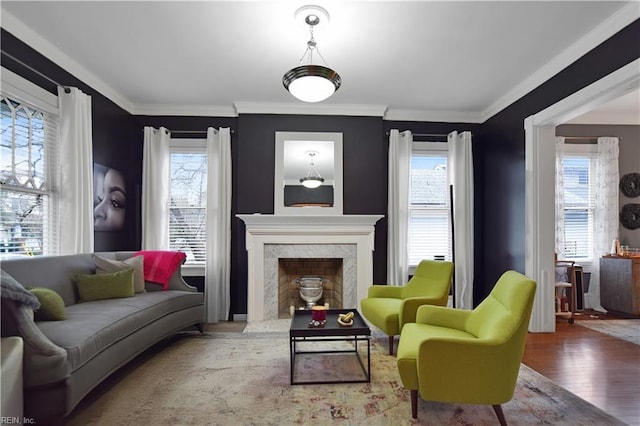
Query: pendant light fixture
313,178
308,82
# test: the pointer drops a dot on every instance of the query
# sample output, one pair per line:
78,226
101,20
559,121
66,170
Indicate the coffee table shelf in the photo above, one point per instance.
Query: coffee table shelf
359,332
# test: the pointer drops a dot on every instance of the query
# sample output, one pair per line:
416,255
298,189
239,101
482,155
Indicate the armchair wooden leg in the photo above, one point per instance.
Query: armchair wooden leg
390,345
500,414
414,404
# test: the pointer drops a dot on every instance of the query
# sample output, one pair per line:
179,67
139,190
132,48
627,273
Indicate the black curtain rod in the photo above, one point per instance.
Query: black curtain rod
193,131
587,137
438,135
30,68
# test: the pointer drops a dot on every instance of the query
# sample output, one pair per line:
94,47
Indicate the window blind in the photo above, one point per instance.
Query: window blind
579,205
429,222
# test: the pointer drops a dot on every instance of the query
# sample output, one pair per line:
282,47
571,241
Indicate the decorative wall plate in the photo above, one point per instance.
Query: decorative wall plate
630,216
630,185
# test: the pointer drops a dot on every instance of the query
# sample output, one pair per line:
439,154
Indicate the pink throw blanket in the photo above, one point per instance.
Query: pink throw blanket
160,265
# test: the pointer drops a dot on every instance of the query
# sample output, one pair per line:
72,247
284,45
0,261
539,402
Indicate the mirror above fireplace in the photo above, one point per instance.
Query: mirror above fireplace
308,173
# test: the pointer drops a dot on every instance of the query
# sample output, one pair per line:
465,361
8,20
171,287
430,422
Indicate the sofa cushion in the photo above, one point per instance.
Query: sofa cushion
51,305
93,326
105,286
105,266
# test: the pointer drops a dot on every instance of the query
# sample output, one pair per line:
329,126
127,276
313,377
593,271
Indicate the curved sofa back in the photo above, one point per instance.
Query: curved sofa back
58,272
54,272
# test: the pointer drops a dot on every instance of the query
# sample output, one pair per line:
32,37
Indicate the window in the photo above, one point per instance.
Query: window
429,221
188,199
578,168
28,199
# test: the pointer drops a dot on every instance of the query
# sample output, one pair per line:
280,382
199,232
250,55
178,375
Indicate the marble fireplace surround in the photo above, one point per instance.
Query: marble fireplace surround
270,237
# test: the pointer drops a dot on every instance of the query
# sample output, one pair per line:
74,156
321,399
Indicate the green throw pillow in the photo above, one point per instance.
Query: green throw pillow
105,286
106,266
51,305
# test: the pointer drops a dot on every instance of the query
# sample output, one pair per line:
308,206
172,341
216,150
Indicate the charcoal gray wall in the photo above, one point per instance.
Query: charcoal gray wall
503,157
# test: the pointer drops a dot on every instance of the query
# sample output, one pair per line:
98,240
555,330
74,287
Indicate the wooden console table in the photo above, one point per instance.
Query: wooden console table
620,284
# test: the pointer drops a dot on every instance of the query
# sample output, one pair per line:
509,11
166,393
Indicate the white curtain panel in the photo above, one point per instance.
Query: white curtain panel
461,177
75,173
398,207
559,197
155,189
218,264
605,214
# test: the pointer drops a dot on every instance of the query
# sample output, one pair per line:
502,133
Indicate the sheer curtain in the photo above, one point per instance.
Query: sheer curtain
398,207
76,172
461,177
559,197
606,211
218,263
155,189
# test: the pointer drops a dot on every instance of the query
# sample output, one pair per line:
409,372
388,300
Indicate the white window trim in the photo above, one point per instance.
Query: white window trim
581,149
417,147
27,92
193,270
188,145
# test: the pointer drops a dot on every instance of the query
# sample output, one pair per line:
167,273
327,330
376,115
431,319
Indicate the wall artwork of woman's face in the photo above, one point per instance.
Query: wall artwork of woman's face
109,198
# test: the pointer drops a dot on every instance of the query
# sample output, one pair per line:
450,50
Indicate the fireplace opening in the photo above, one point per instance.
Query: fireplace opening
290,270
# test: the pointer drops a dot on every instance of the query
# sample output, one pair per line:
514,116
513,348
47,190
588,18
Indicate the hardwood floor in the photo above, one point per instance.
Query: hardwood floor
598,368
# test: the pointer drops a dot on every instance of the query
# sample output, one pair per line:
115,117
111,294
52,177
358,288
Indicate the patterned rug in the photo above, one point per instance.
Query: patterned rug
243,379
625,329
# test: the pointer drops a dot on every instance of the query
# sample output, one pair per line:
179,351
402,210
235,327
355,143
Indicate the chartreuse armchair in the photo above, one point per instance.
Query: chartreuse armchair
390,307
468,356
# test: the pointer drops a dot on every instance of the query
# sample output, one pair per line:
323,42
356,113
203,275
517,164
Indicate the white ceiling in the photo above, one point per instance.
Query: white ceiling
623,110
420,60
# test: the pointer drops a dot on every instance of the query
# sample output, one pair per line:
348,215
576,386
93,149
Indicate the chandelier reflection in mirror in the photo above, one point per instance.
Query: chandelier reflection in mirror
313,178
308,82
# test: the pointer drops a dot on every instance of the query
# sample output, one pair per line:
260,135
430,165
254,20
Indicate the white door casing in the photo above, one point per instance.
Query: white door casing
540,182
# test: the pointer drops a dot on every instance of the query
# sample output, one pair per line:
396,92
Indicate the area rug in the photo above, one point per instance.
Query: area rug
243,379
625,329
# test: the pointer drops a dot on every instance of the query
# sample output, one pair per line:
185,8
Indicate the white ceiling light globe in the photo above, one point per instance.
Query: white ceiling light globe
311,88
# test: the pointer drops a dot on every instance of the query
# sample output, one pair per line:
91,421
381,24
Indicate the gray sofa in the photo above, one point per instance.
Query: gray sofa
64,360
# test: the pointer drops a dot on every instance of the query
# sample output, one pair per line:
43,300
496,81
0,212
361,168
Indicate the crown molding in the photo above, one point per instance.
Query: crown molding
310,109
55,55
185,110
433,115
609,87
623,17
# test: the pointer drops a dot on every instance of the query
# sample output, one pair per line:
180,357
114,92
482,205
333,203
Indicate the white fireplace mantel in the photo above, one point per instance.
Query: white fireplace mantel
264,230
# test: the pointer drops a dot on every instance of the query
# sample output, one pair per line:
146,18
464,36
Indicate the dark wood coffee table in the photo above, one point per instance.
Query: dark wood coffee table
332,331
